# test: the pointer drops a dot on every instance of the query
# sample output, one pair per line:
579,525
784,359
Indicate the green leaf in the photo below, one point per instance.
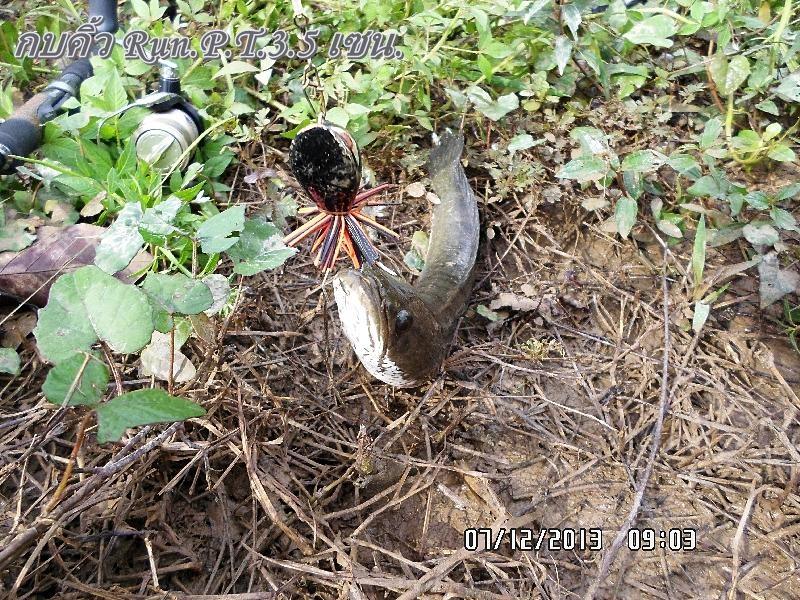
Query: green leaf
625,215
158,219
9,361
572,17
488,313
768,106
119,313
562,52
494,109
14,236
655,30
215,235
684,164
670,228
592,140
701,312
236,67
706,186
122,241
711,131
781,153
789,88
783,219
523,141
142,407
338,116
584,168
760,234
260,248
177,293
644,161
729,75
699,251
63,327
90,382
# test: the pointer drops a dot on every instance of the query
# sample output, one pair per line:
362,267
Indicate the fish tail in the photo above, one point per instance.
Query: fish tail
445,153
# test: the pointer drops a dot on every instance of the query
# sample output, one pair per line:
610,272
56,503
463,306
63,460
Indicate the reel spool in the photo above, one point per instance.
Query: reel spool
165,136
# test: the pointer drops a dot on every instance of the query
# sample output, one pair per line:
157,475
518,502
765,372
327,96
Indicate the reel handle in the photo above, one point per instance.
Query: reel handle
21,133
107,9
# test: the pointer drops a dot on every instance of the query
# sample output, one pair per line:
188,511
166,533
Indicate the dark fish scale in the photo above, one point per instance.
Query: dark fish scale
327,165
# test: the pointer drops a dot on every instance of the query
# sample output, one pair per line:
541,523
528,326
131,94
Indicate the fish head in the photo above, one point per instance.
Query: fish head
393,332
325,161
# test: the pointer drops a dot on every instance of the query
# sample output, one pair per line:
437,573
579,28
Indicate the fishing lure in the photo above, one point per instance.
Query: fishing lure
326,163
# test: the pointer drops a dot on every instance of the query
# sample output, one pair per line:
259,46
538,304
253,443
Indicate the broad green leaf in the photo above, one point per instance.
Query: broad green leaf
706,186
215,235
142,407
119,313
711,131
783,219
699,252
670,228
644,161
655,30
633,182
789,88
158,219
768,106
770,131
488,313
89,381
592,140
177,293
782,153
523,141
14,236
685,164
122,241
562,52
338,116
63,327
9,361
236,67
585,168
260,247
572,17
729,75
760,234
625,215
494,109
701,312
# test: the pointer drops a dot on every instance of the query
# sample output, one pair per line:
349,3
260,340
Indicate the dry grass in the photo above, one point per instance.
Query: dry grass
307,479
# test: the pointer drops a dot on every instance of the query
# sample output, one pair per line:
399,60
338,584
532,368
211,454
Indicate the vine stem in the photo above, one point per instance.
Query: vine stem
171,377
62,485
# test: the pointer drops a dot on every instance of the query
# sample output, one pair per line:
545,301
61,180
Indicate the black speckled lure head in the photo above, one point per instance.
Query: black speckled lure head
324,159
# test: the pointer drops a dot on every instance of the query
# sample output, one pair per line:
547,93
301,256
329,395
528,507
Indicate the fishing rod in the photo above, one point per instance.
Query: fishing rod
21,133
164,136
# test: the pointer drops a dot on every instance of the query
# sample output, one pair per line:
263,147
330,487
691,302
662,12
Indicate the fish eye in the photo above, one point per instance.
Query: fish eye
402,321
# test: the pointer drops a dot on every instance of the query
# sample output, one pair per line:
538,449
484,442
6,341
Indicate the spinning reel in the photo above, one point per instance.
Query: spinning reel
167,135
164,138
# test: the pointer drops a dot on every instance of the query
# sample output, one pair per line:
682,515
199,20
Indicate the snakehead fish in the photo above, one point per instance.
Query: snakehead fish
400,332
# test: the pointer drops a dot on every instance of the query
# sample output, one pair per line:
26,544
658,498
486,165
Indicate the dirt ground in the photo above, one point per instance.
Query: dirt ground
309,479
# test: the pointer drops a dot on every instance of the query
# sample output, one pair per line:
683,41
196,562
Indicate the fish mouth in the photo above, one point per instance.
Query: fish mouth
359,302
